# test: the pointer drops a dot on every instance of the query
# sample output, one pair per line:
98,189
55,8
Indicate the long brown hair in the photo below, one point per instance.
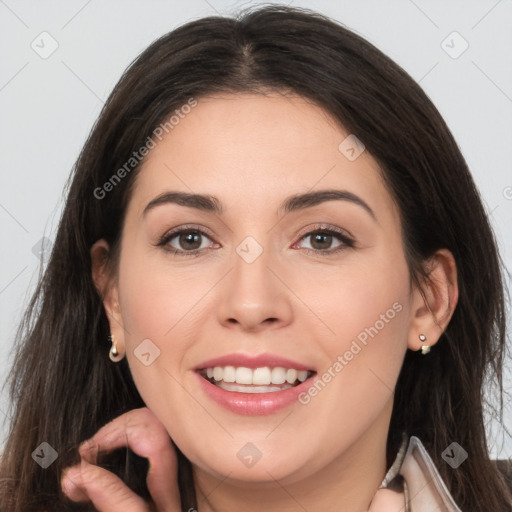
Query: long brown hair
63,387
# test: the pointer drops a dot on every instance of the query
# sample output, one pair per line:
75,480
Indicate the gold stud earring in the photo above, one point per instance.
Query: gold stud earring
114,353
425,349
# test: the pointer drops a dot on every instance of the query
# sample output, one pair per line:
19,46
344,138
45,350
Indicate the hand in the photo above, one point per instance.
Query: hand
147,437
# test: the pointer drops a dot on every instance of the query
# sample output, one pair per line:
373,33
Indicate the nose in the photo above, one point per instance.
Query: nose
254,296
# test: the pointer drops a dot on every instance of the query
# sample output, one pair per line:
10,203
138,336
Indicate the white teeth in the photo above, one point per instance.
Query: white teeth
278,375
229,374
302,375
243,375
264,376
291,376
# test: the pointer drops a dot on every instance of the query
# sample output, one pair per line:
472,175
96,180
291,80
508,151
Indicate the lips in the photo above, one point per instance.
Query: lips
254,385
252,361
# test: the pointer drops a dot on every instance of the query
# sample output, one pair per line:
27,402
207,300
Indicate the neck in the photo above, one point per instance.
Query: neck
350,480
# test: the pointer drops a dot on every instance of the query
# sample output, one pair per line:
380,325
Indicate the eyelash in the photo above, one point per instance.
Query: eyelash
347,242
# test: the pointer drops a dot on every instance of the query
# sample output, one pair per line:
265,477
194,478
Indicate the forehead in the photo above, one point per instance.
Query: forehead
253,150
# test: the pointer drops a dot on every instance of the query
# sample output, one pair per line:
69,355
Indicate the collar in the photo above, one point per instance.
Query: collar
413,472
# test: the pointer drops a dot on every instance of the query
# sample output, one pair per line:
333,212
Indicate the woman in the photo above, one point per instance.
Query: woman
326,345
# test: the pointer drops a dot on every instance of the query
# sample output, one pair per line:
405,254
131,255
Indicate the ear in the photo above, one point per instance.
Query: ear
432,312
106,285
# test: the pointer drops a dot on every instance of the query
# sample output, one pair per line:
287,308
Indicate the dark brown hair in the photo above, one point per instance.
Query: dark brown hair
63,386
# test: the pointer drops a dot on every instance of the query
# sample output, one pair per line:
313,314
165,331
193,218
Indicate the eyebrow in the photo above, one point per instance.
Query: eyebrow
208,203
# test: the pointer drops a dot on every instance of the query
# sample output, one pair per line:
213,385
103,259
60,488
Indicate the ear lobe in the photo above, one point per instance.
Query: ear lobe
107,289
433,311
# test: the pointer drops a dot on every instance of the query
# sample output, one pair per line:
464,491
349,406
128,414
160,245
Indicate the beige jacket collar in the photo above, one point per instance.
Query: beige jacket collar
413,472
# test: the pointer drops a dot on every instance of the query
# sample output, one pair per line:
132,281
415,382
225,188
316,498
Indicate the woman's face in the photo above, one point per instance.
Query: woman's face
271,287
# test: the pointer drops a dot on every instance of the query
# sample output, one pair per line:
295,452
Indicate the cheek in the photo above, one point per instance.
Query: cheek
158,317
366,302
367,310
157,298
369,314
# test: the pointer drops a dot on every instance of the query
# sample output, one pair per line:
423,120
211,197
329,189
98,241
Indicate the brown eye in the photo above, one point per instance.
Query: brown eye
321,241
190,240
185,242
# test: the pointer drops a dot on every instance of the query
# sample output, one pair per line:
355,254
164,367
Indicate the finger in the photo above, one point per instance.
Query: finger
115,433
146,436
162,480
71,484
107,492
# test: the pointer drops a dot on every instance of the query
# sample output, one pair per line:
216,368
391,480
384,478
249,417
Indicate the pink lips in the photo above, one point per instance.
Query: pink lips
248,361
252,404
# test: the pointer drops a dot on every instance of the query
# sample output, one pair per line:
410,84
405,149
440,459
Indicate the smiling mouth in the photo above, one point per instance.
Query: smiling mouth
258,380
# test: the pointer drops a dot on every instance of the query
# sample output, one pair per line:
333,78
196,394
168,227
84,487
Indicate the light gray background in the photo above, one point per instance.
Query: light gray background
49,105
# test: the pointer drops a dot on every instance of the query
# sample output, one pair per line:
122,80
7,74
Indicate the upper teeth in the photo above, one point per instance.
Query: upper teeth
259,376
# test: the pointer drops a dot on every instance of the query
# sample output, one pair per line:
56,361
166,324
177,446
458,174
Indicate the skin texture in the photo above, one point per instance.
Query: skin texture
252,152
